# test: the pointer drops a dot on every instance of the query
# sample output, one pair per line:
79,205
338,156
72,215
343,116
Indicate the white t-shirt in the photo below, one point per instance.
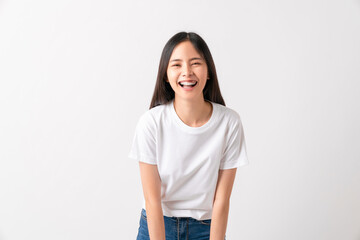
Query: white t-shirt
189,158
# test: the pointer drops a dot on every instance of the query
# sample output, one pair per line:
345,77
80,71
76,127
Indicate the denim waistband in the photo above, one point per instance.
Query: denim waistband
177,218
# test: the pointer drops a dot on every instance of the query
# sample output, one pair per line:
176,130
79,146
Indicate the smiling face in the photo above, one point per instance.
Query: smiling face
187,71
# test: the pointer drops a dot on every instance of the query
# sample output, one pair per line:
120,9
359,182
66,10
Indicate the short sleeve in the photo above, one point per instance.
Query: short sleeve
235,154
143,146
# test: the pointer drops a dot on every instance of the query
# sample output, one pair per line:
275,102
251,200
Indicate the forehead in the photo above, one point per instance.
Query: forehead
185,50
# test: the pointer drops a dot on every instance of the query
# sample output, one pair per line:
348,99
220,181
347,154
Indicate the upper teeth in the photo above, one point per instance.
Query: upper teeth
188,83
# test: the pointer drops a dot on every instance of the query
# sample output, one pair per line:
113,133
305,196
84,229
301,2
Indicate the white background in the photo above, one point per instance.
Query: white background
76,75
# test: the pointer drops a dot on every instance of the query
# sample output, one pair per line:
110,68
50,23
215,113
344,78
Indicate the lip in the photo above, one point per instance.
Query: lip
187,80
188,89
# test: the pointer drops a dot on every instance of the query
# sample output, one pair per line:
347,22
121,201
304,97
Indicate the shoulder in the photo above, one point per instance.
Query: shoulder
228,115
150,117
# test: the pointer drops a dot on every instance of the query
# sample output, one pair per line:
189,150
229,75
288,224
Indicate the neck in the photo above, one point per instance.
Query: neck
193,113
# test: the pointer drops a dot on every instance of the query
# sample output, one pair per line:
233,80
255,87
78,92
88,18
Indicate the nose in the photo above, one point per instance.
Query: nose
187,71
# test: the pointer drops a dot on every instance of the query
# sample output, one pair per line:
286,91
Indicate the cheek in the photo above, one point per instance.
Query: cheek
171,75
202,72
202,75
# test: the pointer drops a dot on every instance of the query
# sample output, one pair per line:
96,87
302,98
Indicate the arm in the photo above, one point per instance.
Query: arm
151,184
221,204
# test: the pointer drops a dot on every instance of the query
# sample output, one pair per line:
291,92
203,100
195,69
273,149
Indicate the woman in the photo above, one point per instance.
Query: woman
189,145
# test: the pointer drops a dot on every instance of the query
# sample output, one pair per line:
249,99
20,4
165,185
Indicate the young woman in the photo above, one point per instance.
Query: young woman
189,145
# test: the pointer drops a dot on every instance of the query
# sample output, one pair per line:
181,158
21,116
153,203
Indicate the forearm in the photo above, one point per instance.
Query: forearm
219,219
155,220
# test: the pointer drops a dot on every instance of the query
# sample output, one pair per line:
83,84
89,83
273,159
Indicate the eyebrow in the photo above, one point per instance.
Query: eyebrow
195,58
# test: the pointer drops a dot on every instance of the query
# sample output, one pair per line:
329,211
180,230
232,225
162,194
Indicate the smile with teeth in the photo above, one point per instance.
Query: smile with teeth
188,84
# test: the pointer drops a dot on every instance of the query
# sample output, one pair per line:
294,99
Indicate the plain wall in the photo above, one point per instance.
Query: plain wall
76,75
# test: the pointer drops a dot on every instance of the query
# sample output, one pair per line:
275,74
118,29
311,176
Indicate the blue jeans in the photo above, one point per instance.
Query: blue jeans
178,228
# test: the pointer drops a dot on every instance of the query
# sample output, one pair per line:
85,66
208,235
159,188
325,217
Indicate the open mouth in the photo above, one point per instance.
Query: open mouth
188,85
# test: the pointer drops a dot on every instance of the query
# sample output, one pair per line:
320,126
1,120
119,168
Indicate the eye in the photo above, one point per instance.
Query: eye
197,63
175,65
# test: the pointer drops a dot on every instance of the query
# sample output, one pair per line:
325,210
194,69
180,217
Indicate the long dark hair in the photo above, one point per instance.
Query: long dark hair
163,92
